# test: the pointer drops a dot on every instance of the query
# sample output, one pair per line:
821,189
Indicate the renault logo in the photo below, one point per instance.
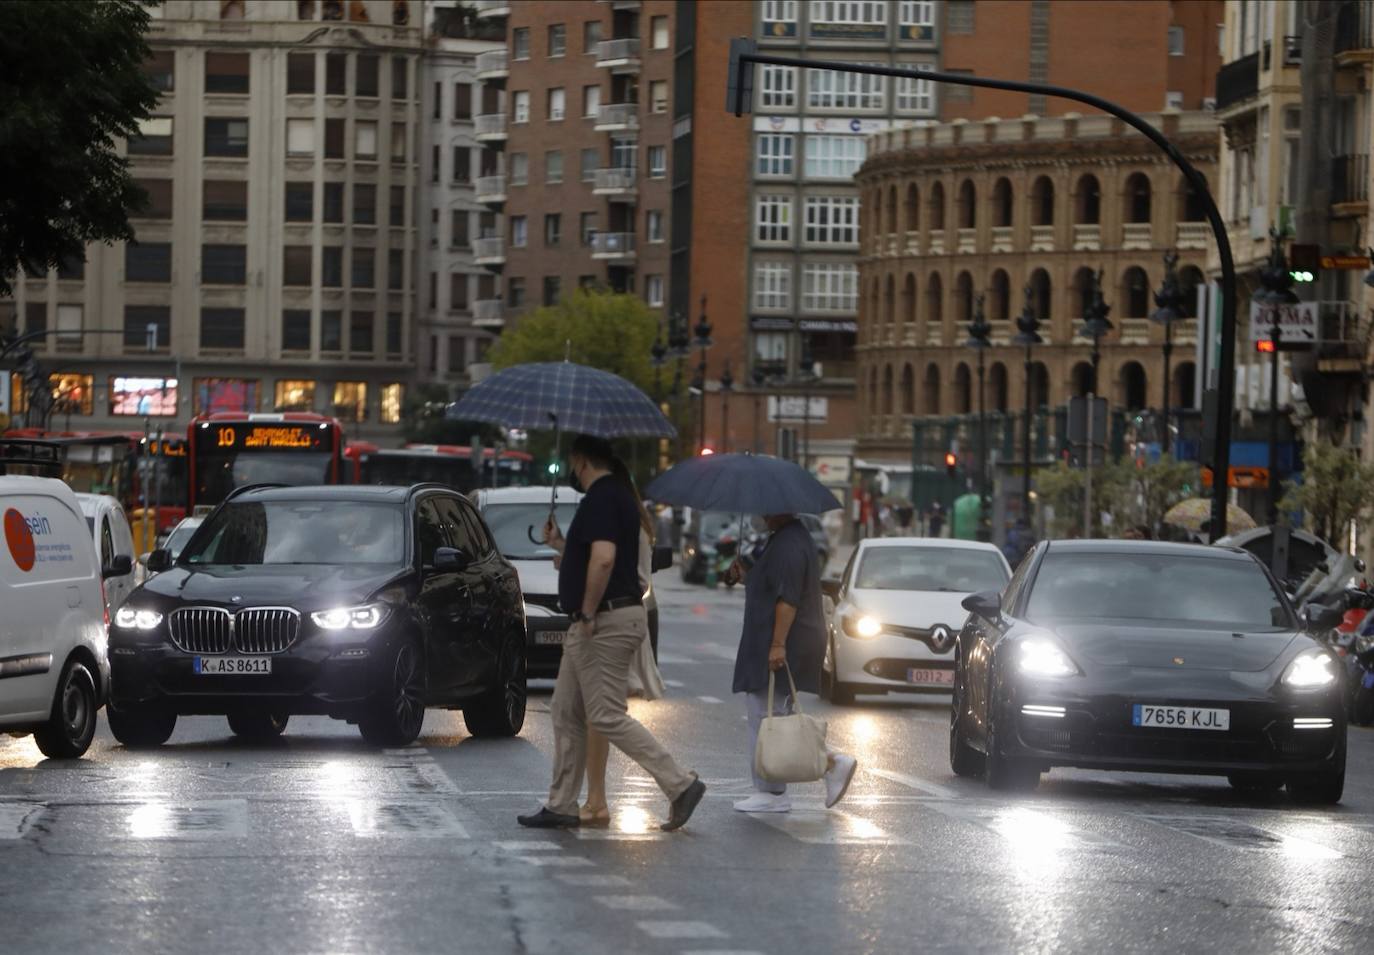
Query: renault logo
940,637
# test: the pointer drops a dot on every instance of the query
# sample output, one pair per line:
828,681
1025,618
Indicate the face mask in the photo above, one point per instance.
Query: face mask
574,481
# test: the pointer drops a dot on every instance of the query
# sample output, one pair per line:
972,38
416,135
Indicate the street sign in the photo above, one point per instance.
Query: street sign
794,408
1345,261
832,469
1297,323
1240,477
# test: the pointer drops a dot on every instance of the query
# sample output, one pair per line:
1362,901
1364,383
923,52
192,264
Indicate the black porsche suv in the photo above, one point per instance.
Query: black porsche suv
366,604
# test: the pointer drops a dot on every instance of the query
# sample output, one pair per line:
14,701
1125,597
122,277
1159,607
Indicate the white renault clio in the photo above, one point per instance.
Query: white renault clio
897,611
54,673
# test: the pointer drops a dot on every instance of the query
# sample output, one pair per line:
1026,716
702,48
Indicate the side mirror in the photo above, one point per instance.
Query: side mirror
159,560
663,557
1317,618
986,604
830,586
119,566
451,559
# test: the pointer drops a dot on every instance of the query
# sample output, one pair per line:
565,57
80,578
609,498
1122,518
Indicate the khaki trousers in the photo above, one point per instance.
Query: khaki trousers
591,691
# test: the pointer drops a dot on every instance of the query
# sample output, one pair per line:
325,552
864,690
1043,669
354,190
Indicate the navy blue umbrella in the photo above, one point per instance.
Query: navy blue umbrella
565,397
742,484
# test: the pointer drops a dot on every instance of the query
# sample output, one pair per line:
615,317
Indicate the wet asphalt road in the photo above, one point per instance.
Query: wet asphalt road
318,844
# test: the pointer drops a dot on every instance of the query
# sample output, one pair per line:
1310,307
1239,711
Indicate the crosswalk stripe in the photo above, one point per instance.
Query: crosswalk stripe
911,782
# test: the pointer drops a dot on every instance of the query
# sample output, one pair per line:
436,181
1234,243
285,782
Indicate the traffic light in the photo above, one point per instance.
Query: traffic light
951,464
1265,346
1304,261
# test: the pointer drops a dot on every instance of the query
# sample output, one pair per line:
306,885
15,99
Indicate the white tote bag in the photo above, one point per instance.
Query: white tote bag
791,749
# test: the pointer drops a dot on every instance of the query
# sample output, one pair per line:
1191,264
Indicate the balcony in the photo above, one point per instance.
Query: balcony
1042,238
1135,331
617,117
616,183
1350,178
1001,238
1192,235
1354,32
623,4
489,251
937,243
493,65
1238,81
1087,237
488,313
1136,236
968,241
614,246
619,56
490,127
490,190
913,243
491,9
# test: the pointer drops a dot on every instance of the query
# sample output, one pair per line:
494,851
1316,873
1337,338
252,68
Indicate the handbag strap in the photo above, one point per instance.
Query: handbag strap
772,677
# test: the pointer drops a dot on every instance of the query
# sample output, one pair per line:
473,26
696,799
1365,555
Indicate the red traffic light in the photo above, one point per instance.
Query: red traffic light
951,459
1265,345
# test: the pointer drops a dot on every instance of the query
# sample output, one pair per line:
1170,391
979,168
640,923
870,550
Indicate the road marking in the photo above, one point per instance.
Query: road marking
16,818
665,659
634,903
406,751
614,835
370,817
208,819
1036,832
827,827
675,684
593,881
710,699
556,861
433,774
516,845
1233,834
680,930
911,782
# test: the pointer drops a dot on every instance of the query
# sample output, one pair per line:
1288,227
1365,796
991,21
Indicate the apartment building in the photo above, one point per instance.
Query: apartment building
273,267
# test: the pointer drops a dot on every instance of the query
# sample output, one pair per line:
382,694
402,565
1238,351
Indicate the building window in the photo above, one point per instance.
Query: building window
221,328
137,334
69,324
773,219
331,331
160,69
834,157
462,101
224,201
558,39
519,169
296,268
591,101
224,394
553,166
71,270
1175,41
74,394
915,95
365,75
396,213
586,227
591,36
226,73
658,96
553,228
658,33
394,333
398,142
458,227
520,43
623,153
557,104
520,106
333,139
335,70
653,290
779,87
159,204
779,11
462,165
591,162
400,76
360,333
364,139
849,13
959,17
775,154
35,318
954,93
770,348
658,161
294,395
653,225
519,232
300,201
390,400
364,203
829,89
772,285
331,266
457,291
830,287
832,220
148,262
154,137
223,264
552,289
333,202
295,329
226,137
515,292
1292,143
1173,99
300,137
300,73
917,19
363,274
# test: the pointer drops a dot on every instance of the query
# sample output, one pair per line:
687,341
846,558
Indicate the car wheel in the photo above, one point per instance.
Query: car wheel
140,727
397,715
501,710
963,758
71,726
1320,789
258,726
832,690
1007,773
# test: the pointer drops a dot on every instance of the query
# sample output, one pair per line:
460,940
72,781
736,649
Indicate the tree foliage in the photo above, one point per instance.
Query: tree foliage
1336,489
72,86
423,420
1131,493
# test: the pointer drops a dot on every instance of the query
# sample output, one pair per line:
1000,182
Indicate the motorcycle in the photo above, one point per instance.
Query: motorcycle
717,565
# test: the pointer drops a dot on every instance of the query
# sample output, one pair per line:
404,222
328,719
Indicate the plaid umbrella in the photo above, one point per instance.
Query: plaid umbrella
565,397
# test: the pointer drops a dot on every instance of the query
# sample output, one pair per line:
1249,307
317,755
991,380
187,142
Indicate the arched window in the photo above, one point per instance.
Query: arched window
1133,386
875,313
1184,385
909,304
887,390
963,390
1191,208
1137,208
935,301
913,208
892,209
890,301
963,298
1002,203
997,386
1087,201
999,298
1040,385
908,391
1042,201
1189,278
1135,293
932,388
873,391
1082,292
968,205
937,207
1041,294
1082,379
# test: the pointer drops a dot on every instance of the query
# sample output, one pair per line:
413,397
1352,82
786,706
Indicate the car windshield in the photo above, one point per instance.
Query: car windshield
939,569
510,524
180,535
300,532
1204,592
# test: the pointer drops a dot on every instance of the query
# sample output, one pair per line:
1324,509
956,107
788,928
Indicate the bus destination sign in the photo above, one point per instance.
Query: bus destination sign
268,437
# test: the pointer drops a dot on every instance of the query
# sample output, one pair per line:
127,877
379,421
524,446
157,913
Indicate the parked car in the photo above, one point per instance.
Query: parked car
172,543
816,529
54,674
112,536
1148,657
365,604
897,611
516,516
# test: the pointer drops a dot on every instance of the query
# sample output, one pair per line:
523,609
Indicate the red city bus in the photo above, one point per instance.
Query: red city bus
231,449
448,464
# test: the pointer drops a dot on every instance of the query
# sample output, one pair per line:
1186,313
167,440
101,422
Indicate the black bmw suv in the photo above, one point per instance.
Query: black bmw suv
366,604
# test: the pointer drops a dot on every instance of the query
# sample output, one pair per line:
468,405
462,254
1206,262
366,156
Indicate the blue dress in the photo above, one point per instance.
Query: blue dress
787,570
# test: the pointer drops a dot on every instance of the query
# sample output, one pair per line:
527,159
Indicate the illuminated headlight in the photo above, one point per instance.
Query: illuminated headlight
863,626
1039,656
133,618
367,617
1310,670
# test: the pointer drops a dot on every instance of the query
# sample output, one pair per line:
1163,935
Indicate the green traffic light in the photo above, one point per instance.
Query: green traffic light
1298,275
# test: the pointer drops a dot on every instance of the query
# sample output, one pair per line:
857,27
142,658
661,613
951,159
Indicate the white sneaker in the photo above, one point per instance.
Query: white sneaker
764,802
839,777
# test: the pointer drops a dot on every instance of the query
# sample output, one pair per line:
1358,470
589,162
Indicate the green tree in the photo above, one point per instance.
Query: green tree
1336,489
1131,494
72,86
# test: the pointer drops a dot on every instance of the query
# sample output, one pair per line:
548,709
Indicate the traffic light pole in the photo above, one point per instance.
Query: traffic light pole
744,56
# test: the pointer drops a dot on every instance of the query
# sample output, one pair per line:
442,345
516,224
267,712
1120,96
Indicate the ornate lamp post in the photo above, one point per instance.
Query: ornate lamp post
1028,336
759,378
727,385
1277,292
1096,326
979,339
701,338
1170,299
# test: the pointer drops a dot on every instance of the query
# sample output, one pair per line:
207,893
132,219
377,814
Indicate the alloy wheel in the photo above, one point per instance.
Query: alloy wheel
409,702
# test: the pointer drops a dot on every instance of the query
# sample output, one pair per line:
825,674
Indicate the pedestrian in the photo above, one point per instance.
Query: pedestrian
1138,532
783,625
598,587
937,519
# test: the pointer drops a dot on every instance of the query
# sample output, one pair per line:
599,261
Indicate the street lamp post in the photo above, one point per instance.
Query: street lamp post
759,379
1095,326
1170,300
979,339
727,384
1028,336
702,340
1277,292
806,373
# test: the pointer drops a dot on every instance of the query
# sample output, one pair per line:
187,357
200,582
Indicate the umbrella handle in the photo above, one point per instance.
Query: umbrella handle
557,457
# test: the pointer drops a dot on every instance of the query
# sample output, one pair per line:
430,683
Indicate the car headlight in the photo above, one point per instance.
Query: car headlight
862,625
1038,656
135,618
1310,670
366,617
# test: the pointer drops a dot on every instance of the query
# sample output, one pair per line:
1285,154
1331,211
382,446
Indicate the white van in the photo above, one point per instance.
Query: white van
54,673
112,536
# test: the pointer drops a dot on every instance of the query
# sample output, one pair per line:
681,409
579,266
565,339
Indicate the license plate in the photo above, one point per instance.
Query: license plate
233,666
938,677
1180,717
549,638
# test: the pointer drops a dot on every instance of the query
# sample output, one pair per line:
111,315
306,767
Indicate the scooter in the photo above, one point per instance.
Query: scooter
726,549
